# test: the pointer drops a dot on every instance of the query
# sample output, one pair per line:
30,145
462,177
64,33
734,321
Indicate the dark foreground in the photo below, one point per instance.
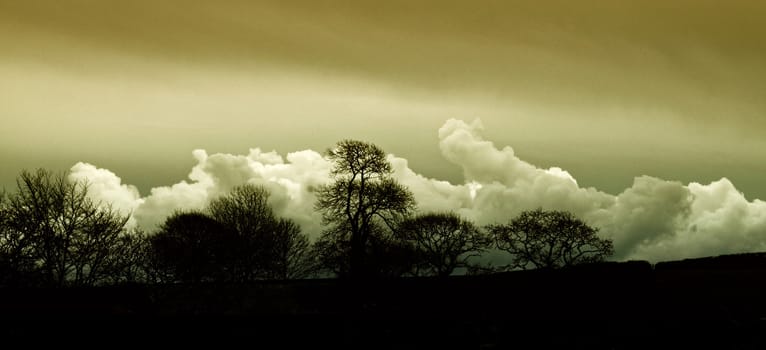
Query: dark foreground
698,304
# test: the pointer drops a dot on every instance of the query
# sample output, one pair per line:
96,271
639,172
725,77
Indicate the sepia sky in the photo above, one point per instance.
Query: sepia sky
608,90
646,118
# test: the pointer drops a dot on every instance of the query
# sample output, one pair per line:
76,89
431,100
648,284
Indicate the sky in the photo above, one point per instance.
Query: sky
646,118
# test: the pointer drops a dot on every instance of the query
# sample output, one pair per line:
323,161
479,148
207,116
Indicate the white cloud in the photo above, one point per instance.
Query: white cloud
510,185
654,219
291,185
107,188
645,215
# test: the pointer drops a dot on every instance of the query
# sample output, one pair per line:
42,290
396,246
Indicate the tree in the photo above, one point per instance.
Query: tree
192,247
386,256
362,195
550,239
245,211
331,251
53,229
132,264
291,256
272,247
13,267
444,241
389,256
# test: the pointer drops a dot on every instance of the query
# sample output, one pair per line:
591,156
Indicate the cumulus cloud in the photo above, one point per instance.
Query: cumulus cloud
509,185
644,215
654,219
291,184
106,187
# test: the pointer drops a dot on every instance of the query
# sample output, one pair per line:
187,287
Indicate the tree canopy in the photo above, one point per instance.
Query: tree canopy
550,239
443,241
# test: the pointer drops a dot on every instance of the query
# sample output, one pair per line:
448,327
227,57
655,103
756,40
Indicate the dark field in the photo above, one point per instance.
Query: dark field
711,303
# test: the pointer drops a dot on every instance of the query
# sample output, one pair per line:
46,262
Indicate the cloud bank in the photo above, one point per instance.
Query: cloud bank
652,220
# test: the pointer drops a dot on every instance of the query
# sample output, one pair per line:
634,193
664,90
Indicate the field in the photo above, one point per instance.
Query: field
704,302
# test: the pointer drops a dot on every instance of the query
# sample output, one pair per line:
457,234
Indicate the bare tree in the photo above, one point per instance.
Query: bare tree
550,239
444,241
16,267
271,247
362,195
132,262
16,249
245,211
292,256
52,226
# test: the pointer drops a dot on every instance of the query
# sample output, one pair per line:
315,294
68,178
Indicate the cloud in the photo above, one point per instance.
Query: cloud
644,215
654,219
509,184
290,183
106,187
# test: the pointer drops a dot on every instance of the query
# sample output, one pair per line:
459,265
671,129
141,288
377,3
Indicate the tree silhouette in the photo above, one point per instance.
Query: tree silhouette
385,255
271,247
444,241
245,211
550,239
361,195
291,256
16,267
192,247
132,263
331,252
53,229
389,256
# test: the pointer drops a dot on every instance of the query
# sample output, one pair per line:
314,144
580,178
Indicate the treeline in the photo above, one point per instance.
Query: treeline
53,234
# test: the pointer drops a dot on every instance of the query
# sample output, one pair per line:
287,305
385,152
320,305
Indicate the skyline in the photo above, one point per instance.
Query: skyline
616,94
653,219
